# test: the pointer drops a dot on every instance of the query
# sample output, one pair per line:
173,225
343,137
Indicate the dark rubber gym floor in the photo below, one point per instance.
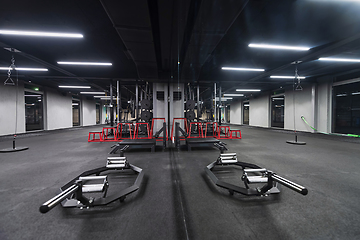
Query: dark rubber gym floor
177,200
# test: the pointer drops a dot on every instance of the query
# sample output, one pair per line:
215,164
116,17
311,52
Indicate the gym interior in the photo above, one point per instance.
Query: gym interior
169,119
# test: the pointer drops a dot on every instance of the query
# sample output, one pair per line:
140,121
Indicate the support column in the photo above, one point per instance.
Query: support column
137,102
214,102
111,105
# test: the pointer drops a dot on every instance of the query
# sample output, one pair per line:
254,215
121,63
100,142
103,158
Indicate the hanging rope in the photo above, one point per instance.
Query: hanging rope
298,87
9,80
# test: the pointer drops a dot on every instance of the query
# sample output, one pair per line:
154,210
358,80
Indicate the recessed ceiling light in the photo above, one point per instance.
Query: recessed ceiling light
41,34
86,63
233,95
24,69
248,90
283,47
74,87
92,93
339,59
243,69
287,77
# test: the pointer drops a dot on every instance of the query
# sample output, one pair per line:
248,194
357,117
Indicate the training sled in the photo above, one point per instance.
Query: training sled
252,174
72,193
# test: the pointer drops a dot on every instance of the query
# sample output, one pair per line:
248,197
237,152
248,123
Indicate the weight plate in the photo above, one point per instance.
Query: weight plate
190,115
145,115
145,104
190,104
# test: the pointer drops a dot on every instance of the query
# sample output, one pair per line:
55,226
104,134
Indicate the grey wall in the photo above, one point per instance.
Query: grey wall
58,113
259,111
236,113
313,102
324,105
8,109
304,106
88,112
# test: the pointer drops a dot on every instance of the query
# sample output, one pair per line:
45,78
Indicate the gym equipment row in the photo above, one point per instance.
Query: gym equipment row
252,174
128,130
73,193
205,129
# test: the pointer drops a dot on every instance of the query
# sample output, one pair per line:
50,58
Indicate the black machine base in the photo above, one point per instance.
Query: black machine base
71,194
251,174
17,149
295,142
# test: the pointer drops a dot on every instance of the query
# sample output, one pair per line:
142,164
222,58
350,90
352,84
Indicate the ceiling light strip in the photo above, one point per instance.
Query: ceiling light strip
24,69
339,59
248,90
40,34
243,69
287,77
86,63
94,93
74,87
282,47
233,95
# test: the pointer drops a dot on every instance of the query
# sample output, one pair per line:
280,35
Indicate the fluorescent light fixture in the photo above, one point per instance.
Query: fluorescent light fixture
243,69
248,90
233,95
287,77
340,60
277,98
246,105
75,104
355,93
223,98
342,95
106,97
95,93
31,95
74,87
24,69
40,34
86,63
282,47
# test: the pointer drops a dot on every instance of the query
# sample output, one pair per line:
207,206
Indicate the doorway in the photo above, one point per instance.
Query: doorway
76,112
246,107
33,111
277,111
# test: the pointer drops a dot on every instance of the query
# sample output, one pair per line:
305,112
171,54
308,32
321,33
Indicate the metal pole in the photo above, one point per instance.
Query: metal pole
219,104
214,102
117,101
198,103
137,102
111,105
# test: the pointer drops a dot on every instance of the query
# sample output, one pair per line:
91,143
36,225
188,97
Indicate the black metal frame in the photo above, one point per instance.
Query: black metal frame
71,193
269,188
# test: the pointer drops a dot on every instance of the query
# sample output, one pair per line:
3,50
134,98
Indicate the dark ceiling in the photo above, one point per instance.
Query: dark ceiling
181,41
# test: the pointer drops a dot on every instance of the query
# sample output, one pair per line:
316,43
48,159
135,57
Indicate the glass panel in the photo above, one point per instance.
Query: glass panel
97,113
246,113
33,111
76,113
277,112
347,108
